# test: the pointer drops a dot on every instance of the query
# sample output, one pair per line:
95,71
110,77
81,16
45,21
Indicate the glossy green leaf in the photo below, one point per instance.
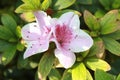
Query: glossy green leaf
54,75
5,33
94,63
79,72
9,22
112,45
97,49
108,22
45,64
61,4
45,4
67,75
101,75
118,77
91,21
106,4
88,2
8,55
89,76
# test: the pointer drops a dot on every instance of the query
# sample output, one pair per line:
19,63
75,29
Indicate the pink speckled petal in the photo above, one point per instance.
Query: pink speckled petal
81,42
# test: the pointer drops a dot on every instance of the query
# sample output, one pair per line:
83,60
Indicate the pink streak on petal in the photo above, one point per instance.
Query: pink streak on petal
66,58
63,35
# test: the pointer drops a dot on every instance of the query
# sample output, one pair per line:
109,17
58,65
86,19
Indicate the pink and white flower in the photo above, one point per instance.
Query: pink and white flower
69,38
37,34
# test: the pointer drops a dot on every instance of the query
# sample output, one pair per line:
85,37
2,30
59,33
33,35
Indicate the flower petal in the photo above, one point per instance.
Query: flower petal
31,31
66,58
35,47
66,17
75,22
42,18
81,42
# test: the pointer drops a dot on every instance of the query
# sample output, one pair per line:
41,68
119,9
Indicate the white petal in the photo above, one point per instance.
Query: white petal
66,17
66,58
75,22
35,47
31,31
81,42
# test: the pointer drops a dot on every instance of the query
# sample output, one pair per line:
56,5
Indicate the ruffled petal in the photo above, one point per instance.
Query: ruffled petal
81,42
75,22
66,58
66,18
31,31
35,47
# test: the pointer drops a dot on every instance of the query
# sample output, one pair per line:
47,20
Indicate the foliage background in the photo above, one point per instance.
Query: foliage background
100,18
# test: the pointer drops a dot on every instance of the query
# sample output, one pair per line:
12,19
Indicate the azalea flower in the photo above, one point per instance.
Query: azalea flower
69,38
37,34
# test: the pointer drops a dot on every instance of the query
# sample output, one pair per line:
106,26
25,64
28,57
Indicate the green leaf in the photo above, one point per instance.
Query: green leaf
84,2
45,64
4,45
91,21
118,78
112,45
106,4
20,47
29,5
61,4
9,54
54,75
116,4
46,4
18,32
108,22
101,75
89,76
9,22
98,48
115,35
79,72
94,63
5,33
67,75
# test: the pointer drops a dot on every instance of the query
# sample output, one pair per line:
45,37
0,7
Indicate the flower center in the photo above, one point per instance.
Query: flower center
63,35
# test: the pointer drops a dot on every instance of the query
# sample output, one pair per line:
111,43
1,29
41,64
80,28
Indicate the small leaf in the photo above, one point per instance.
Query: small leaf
91,21
112,45
9,22
67,75
97,49
94,63
5,33
61,4
79,72
54,75
118,78
46,4
20,47
106,4
29,5
101,75
116,4
45,64
115,35
27,16
18,32
9,54
89,76
108,22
